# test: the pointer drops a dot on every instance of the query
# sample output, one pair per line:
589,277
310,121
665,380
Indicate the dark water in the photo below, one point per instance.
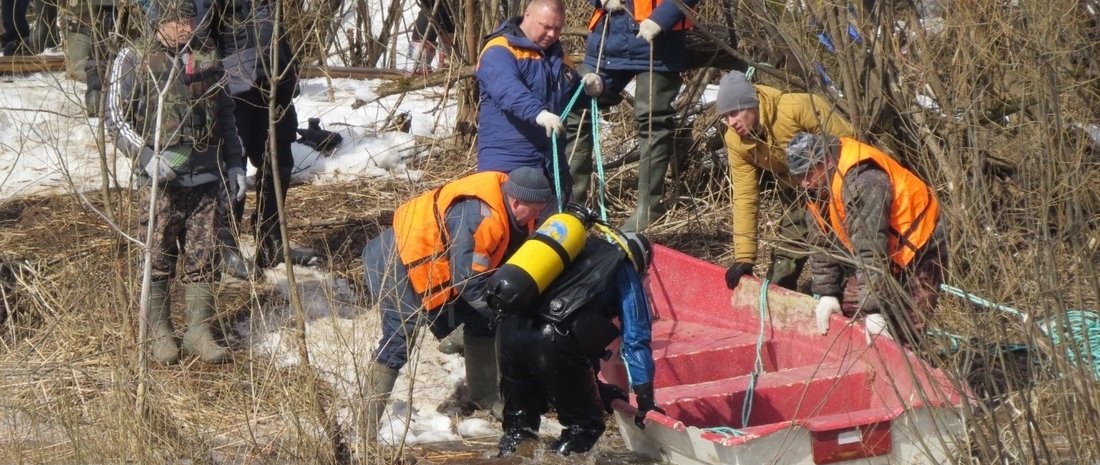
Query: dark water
610,450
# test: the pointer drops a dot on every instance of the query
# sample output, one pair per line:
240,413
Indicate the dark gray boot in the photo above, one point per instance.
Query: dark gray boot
200,313
162,341
232,260
481,373
454,343
78,48
376,394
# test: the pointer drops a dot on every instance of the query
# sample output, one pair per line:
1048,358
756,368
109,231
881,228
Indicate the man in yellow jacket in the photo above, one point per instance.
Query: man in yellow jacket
762,120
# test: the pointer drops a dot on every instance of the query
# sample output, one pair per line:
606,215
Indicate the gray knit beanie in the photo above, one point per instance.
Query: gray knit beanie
807,150
528,184
735,92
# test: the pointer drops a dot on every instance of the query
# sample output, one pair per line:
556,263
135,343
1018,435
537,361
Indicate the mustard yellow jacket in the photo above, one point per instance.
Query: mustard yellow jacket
782,115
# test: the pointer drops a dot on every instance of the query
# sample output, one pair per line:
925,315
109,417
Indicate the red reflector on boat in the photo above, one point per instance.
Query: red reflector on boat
851,443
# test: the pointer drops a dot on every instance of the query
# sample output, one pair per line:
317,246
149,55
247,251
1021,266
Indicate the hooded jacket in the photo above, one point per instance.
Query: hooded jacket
782,115
518,81
197,111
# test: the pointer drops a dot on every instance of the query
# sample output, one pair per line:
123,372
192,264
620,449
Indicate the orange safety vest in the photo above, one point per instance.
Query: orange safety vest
642,10
913,213
422,238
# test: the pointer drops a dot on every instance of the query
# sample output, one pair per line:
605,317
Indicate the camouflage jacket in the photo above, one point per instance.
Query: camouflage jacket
197,111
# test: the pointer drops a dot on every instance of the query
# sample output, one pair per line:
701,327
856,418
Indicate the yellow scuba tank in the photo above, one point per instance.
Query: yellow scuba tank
539,260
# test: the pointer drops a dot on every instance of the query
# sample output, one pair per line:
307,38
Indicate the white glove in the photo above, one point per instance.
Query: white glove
551,122
613,5
238,183
593,84
648,30
159,169
827,306
875,325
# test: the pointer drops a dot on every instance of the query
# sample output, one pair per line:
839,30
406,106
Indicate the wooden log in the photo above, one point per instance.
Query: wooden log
31,64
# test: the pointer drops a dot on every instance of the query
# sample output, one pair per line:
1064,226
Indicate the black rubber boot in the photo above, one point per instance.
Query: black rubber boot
516,440
271,253
575,441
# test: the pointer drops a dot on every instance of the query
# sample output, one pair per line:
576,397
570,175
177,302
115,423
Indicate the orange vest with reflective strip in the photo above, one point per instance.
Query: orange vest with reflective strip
421,234
913,213
642,10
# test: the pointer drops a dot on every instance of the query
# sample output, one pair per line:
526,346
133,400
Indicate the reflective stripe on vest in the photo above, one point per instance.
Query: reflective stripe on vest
422,239
642,9
913,213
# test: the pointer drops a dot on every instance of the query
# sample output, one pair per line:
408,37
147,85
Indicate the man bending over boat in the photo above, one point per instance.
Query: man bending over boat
550,351
869,215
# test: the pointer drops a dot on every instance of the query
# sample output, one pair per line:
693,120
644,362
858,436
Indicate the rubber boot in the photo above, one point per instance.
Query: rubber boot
232,260
376,394
198,340
78,48
517,440
651,182
271,253
481,373
421,55
93,94
575,441
454,343
162,341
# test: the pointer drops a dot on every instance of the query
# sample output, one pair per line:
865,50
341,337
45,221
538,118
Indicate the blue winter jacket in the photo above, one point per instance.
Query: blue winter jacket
518,81
623,50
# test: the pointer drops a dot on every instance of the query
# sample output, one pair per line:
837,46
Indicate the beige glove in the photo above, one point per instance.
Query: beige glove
875,325
593,84
612,6
648,30
826,307
551,122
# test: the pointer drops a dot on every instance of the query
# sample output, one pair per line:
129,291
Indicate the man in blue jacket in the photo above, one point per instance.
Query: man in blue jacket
642,39
526,81
548,353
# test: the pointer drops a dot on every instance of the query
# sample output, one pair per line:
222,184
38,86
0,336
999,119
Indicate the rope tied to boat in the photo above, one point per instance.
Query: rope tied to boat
1075,331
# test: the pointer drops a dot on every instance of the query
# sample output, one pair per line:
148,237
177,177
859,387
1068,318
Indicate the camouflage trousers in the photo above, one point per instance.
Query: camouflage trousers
186,225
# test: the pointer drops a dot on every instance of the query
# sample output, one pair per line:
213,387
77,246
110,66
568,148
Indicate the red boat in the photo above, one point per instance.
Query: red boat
813,400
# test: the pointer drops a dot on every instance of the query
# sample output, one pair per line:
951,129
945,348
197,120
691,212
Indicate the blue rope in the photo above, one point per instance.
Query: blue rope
554,146
725,431
1083,329
1081,326
758,364
597,152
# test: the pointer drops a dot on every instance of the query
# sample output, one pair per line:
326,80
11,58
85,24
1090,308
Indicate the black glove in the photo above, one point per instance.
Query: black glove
643,394
735,272
319,139
608,394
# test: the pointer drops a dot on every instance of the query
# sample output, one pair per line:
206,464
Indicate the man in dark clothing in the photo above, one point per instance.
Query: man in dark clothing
644,41
189,148
880,229
17,31
261,69
548,352
526,80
